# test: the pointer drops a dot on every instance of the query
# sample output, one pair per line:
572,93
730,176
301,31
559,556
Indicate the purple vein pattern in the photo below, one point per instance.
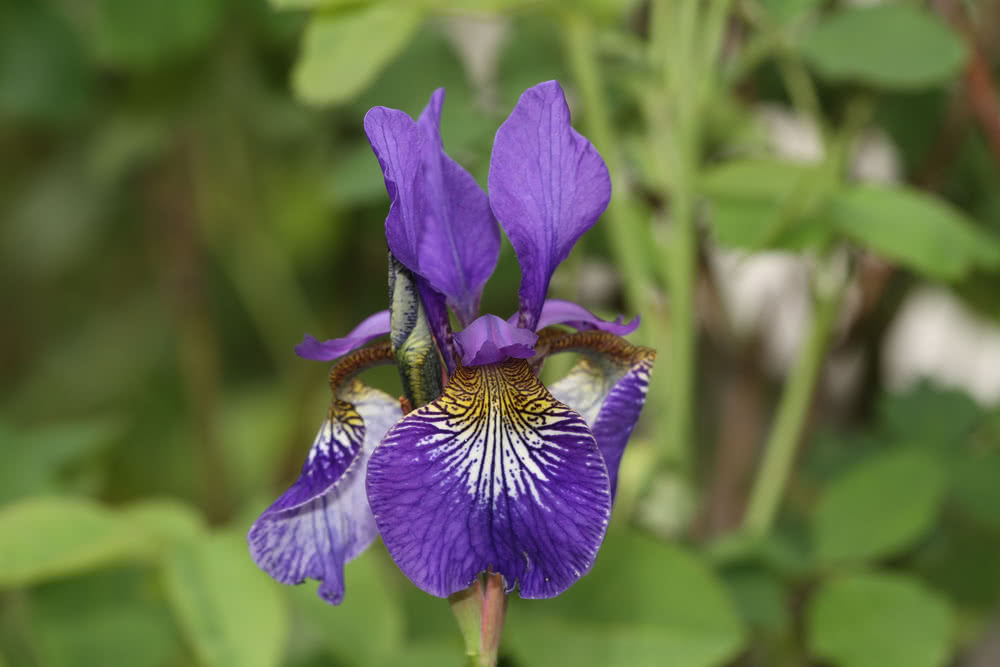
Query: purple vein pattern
496,475
322,521
609,390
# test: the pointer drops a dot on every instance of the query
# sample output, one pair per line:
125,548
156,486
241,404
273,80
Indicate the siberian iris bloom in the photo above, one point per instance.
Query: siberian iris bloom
479,468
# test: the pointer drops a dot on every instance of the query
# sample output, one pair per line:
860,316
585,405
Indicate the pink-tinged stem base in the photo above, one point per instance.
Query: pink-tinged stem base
480,611
494,613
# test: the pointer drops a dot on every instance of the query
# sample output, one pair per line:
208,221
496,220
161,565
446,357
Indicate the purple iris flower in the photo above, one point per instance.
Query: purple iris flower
491,471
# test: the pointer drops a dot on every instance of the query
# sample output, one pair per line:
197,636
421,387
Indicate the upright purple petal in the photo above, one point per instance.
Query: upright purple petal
370,328
490,340
440,225
608,388
548,185
323,521
458,254
557,311
399,146
496,475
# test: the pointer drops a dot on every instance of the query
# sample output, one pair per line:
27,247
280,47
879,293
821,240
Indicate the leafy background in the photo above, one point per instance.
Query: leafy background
185,189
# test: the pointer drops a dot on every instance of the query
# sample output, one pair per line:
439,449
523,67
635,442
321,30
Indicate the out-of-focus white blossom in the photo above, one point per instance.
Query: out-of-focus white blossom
936,337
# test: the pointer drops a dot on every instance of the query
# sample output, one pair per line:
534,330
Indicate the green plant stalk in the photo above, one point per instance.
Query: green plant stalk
467,606
480,611
625,233
681,258
675,126
779,452
494,613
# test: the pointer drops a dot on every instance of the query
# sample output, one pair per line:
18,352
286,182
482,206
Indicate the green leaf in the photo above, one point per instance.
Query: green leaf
369,629
931,416
977,486
759,595
43,65
426,654
784,12
142,36
164,519
315,4
889,45
879,620
644,603
879,507
919,231
45,537
759,179
80,622
343,52
750,204
36,458
230,612
964,563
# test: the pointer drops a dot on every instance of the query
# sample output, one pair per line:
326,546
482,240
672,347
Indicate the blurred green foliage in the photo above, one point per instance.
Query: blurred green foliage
186,189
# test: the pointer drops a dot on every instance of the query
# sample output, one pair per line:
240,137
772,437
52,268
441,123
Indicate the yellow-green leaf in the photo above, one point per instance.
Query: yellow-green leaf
917,230
890,45
879,620
48,537
879,507
343,52
230,611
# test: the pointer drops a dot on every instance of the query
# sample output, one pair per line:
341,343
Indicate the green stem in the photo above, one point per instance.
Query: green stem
673,117
467,606
681,259
480,611
779,454
802,92
625,232
494,613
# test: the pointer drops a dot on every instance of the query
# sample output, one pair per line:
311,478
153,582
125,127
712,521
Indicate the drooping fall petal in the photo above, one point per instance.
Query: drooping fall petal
607,386
497,476
323,520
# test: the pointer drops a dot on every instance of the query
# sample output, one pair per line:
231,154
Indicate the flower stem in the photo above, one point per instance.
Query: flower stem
673,116
625,233
494,613
790,418
467,605
480,611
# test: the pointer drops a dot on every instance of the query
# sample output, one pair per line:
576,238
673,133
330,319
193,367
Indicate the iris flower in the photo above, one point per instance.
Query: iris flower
480,467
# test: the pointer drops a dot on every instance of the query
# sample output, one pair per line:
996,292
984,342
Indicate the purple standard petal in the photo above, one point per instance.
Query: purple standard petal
557,311
461,244
608,388
496,475
323,521
548,185
490,340
370,328
440,225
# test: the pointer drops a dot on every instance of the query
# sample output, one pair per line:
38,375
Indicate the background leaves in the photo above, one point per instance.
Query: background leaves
864,620
889,45
185,189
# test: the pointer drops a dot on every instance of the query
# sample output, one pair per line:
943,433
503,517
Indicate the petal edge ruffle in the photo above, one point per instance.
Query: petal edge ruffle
608,388
490,340
323,521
